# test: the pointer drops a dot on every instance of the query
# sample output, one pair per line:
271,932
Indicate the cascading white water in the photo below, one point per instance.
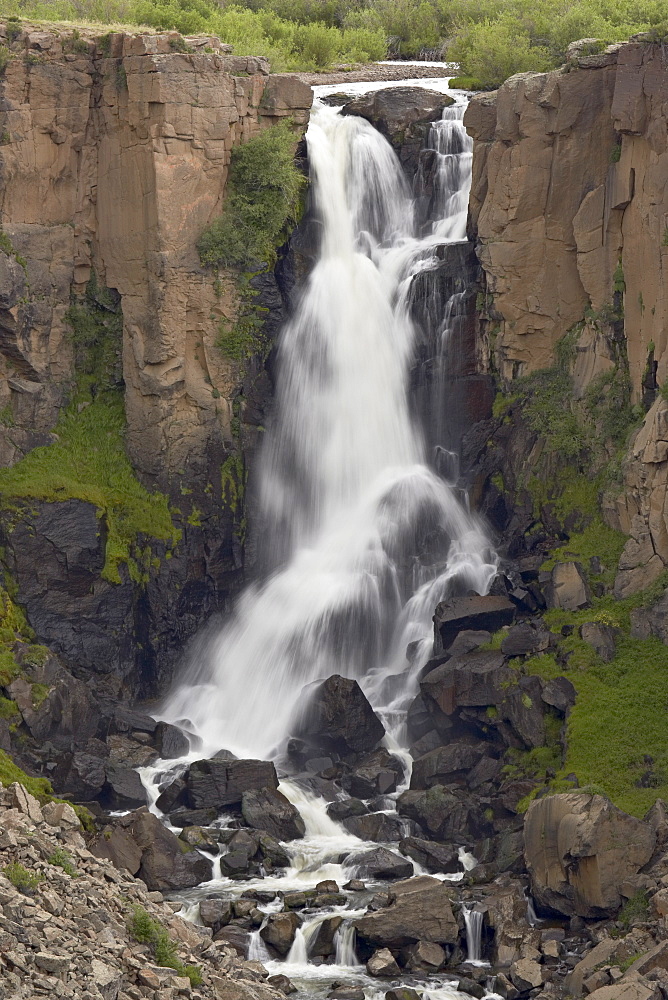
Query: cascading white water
473,923
348,499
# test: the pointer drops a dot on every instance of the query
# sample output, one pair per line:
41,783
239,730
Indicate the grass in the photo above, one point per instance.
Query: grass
634,910
88,462
616,734
20,877
146,930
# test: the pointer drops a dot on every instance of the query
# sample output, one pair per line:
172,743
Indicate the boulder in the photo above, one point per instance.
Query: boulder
282,983
425,956
279,931
403,993
526,640
476,679
393,110
344,808
268,809
379,827
601,637
215,913
379,863
445,765
558,693
437,858
170,741
419,910
442,815
526,974
383,964
376,774
119,847
472,613
635,988
214,784
323,944
123,788
337,716
568,587
579,849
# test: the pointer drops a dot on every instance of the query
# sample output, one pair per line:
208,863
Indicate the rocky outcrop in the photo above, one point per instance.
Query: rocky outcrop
114,158
402,114
579,850
336,715
419,910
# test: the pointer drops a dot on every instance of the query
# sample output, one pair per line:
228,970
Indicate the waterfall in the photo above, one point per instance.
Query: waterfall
362,537
473,922
344,941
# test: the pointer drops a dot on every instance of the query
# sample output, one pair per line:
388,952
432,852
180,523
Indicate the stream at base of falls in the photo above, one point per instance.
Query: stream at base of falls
362,536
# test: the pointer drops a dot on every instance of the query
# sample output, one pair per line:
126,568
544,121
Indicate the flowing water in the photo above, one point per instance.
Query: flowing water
363,538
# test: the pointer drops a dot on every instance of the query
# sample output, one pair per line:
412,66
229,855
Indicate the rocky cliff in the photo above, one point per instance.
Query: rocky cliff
570,209
114,156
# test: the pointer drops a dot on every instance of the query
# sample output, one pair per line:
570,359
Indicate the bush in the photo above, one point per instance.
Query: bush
146,930
20,877
491,51
63,859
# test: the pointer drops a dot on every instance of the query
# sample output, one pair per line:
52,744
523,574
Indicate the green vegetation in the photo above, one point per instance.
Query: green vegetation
63,859
262,203
491,39
616,736
634,910
39,787
146,930
7,247
88,461
20,877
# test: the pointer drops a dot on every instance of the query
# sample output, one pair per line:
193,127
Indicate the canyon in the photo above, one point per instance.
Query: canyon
468,429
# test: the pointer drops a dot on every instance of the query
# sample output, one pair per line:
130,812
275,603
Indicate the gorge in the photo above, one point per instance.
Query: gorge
229,565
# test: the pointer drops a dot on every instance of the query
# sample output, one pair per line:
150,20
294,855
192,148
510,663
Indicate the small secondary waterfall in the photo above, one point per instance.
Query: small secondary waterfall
473,923
365,538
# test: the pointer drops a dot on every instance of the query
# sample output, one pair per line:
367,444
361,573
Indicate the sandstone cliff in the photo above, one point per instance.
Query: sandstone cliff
570,207
114,156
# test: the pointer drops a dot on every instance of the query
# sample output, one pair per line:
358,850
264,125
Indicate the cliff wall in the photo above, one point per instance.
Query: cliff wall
114,156
569,206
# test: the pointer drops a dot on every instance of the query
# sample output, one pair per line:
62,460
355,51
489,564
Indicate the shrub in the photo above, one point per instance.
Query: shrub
146,930
20,877
634,910
491,51
63,859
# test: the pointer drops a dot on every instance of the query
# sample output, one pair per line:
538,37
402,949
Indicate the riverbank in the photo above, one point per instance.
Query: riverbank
374,73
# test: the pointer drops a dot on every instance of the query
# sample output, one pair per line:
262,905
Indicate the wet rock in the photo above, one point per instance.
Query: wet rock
213,784
123,789
282,983
173,796
355,885
279,931
383,964
344,808
346,993
85,777
435,857
445,765
235,863
215,913
419,910
379,863
271,850
393,110
170,741
378,827
192,817
268,809
323,943
425,956
601,638
338,716
469,986
402,993
376,774
476,613
327,885
579,850
441,814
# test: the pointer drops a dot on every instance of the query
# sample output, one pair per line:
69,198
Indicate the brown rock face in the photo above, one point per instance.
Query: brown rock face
420,911
579,849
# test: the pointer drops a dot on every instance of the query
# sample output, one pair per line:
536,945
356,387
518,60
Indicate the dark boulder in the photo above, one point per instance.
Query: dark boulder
377,773
442,815
391,111
235,937
279,931
344,808
123,789
213,784
84,777
420,910
476,679
337,716
474,613
437,858
445,765
268,809
558,693
170,741
378,827
526,640
383,964
215,913
323,944
379,863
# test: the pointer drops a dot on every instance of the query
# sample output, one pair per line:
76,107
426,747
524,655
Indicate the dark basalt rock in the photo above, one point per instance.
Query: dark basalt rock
213,784
337,715
470,613
438,858
378,827
445,765
376,774
379,863
268,809
419,910
123,789
393,110
345,808
170,741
